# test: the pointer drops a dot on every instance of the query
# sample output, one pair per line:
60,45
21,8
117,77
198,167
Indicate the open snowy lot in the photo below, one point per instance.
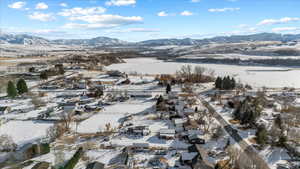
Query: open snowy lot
112,114
243,73
24,132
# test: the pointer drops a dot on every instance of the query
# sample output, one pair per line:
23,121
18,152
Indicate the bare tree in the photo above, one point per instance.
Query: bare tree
199,71
54,132
205,120
185,72
66,119
7,144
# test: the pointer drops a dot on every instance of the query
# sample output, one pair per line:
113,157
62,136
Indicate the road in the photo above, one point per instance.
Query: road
248,149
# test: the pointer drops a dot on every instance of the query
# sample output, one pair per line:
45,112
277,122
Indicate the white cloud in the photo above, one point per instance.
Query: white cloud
133,30
278,21
284,29
41,5
82,11
223,9
186,13
162,13
108,19
242,26
120,2
103,21
17,5
42,16
195,1
63,4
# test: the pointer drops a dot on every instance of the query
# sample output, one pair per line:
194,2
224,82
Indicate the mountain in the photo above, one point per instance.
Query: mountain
106,41
223,39
25,39
98,41
22,39
156,42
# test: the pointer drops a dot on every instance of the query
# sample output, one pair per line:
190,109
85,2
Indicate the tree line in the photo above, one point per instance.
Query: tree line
225,83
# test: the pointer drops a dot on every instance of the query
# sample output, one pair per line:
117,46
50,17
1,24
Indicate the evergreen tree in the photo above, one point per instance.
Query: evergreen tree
168,89
233,83
44,75
225,83
160,100
11,90
218,83
22,86
261,135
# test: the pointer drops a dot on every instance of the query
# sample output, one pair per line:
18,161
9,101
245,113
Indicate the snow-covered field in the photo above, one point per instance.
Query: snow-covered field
24,132
112,114
257,79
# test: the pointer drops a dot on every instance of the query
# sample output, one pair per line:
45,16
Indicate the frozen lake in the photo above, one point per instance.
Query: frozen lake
255,78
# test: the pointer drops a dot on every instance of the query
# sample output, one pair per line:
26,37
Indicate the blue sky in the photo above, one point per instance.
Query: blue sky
135,20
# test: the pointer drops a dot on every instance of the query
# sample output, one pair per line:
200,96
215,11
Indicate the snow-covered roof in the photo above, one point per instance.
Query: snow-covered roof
185,156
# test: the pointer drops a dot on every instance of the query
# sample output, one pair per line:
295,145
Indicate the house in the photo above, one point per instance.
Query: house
115,73
121,159
140,146
202,160
188,111
49,87
95,165
81,85
30,76
5,110
188,158
140,94
67,95
178,122
89,108
84,101
166,134
196,139
139,130
68,106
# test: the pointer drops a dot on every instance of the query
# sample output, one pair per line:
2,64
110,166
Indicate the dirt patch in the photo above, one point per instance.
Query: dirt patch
232,121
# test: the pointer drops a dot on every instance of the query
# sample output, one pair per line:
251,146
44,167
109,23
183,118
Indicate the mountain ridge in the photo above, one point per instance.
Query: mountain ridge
107,41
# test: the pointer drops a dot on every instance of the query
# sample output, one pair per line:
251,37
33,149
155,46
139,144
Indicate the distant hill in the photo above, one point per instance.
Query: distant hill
106,41
22,39
35,40
223,39
98,41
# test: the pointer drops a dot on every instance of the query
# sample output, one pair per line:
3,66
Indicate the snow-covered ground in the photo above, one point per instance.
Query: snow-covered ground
254,78
24,132
112,114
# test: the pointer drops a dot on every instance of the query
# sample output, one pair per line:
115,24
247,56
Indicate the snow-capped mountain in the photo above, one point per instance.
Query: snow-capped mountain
23,39
106,41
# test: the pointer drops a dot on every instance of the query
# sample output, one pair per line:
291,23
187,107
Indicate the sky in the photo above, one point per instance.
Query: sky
137,20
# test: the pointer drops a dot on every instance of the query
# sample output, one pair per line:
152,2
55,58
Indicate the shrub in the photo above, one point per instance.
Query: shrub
261,135
7,144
